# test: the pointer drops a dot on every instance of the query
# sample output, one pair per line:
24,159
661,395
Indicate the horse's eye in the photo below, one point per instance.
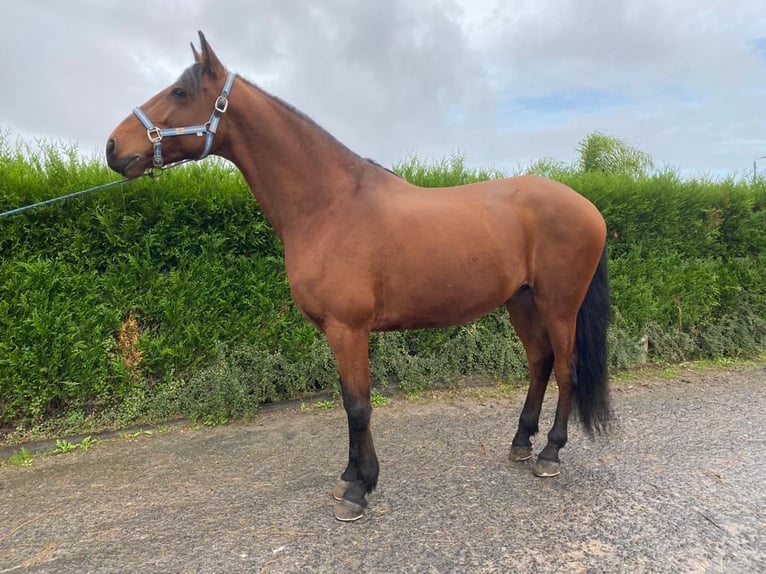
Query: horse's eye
178,93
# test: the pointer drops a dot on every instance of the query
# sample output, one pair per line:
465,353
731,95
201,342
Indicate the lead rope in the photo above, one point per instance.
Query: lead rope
153,173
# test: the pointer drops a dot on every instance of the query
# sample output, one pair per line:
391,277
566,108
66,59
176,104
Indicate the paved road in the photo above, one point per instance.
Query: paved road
678,487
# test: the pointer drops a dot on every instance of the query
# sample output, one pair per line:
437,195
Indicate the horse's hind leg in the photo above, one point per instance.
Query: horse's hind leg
531,330
562,336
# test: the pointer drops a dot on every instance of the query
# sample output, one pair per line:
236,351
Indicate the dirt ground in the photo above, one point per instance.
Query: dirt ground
677,487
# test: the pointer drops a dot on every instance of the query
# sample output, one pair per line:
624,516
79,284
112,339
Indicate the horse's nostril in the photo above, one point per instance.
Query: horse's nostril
110,146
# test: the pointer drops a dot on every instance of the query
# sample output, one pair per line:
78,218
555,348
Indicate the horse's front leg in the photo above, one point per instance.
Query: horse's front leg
350,347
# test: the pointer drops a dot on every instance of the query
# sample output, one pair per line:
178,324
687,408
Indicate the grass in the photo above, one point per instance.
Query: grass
135,434
25,457
21,457
63,445
673,371
378,399
322,405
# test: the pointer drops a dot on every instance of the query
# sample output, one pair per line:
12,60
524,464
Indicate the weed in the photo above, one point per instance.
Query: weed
63,446
135,434
323,405
378,400
214,419
88,442
21,457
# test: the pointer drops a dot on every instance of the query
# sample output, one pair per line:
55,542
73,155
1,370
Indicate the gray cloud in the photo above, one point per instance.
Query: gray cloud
505,83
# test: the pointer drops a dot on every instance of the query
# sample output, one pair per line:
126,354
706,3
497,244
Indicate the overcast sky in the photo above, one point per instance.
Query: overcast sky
503,82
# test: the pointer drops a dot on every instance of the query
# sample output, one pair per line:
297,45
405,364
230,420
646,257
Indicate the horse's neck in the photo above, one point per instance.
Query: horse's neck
294,168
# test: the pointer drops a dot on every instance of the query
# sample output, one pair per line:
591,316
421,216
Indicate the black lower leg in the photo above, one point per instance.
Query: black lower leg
557,438
530,414
528,427
361,474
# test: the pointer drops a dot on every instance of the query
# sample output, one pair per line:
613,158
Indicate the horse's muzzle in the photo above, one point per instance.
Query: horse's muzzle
120,165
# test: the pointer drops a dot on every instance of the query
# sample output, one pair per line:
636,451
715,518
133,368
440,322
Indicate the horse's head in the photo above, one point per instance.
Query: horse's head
191,107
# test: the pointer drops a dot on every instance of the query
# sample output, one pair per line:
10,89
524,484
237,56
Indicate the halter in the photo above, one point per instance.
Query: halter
208,130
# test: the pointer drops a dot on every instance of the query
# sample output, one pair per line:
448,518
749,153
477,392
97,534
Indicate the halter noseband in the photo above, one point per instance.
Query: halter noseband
208,130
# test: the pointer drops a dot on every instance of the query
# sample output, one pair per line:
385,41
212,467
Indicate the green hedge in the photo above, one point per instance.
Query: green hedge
168,297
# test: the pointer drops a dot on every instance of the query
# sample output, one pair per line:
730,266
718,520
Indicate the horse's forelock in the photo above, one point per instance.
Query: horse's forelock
191,78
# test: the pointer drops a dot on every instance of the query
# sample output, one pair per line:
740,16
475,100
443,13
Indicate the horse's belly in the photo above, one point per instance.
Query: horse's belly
430,299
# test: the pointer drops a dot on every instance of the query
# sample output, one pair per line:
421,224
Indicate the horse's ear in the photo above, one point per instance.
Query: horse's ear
197,56
211,61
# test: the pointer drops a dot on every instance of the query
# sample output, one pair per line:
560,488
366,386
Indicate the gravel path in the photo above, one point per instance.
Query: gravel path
676,488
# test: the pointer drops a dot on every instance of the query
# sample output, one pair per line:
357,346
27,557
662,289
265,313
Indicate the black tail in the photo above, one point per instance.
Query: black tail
590,374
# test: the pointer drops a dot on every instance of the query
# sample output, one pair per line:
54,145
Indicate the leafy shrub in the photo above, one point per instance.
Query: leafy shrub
168,297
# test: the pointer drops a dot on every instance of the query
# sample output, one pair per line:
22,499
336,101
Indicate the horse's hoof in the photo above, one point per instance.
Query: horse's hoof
340,489
519,453
347,511
545,468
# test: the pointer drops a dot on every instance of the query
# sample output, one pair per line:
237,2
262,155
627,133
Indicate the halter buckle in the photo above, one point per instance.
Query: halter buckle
221,104
154,134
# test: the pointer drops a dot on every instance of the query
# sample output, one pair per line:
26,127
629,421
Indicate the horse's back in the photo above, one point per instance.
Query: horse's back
531,196
543,200
523,213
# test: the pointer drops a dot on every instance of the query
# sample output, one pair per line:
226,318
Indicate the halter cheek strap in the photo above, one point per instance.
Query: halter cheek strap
208,130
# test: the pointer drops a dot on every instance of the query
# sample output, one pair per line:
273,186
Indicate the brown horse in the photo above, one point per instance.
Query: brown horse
366,251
